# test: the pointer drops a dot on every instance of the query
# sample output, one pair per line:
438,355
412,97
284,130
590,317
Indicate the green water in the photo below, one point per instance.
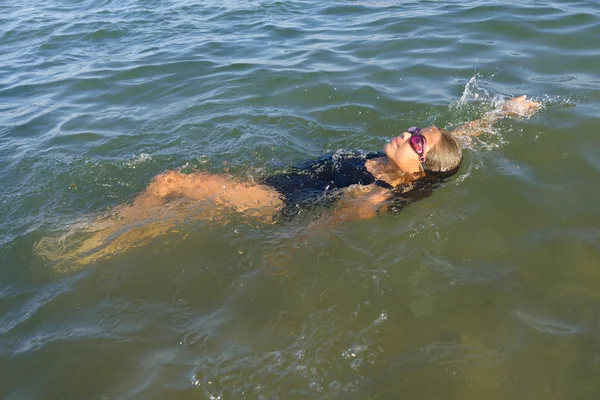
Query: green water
488,289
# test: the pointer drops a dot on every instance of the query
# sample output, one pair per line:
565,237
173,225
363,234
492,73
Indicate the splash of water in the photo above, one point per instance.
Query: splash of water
474,92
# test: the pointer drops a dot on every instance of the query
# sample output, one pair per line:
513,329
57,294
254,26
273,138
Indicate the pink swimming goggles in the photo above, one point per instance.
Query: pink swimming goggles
418,143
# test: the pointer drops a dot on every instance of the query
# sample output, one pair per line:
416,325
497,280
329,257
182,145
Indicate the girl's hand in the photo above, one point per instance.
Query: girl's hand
357,190
520,107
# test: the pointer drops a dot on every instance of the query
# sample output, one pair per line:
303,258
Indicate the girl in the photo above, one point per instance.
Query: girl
358,183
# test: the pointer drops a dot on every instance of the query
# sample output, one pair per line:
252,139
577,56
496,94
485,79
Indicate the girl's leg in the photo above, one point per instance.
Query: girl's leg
252,199
170,198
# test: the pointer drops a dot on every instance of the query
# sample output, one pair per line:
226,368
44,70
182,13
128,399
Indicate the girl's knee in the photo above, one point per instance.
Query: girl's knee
168,177
164,184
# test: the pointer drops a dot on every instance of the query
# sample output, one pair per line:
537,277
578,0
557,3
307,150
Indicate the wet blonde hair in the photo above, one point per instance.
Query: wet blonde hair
445,157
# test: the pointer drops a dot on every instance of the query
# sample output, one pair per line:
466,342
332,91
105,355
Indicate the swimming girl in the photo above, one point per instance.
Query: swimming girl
358,183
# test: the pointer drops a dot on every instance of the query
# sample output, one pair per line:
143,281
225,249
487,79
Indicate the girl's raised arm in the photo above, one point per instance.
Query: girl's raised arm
516,107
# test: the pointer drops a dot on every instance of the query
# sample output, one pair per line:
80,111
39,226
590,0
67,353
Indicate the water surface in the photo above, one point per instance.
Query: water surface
490,288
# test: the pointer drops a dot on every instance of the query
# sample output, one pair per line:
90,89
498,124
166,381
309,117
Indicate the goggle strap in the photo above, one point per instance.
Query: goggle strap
414,130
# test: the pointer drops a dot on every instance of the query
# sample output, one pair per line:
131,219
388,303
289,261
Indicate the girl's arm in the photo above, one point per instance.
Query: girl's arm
358,202
517,107
362,202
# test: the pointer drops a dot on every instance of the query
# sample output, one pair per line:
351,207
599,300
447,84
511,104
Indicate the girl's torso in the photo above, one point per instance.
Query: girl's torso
319,182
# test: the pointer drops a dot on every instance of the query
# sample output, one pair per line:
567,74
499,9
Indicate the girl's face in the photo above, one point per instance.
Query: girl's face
402,155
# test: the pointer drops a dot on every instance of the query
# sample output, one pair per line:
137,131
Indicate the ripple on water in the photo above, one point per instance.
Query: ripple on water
547,325
589,151
98,97
22,321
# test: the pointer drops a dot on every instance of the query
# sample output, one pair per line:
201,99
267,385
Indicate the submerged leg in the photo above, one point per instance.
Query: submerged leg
169,200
